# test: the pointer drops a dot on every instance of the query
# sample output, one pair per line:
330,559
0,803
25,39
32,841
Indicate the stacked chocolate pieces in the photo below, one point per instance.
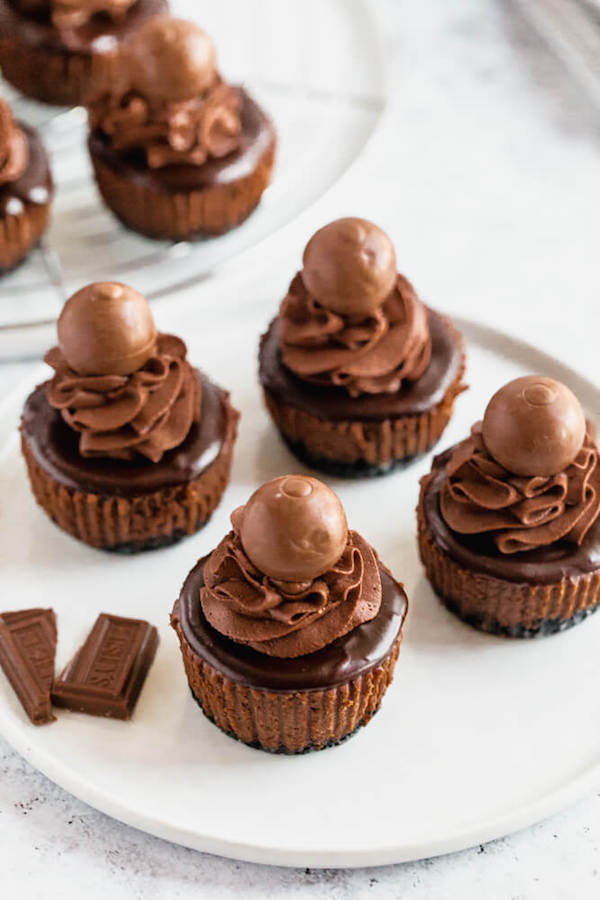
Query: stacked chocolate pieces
104,678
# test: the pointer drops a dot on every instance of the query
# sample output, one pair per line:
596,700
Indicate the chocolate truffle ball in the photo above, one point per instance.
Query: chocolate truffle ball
106,329
293,528
169,59
350,267
534,426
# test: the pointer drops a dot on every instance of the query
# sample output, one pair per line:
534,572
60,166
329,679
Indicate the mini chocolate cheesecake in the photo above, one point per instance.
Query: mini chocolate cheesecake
358,375
177,153
290,629
509,519
128,447
50,49
26,189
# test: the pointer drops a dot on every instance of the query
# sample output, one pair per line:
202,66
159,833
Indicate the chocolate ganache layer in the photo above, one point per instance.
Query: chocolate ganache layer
344,659
257,135
335,403
34,28
479,553
34,185
55,447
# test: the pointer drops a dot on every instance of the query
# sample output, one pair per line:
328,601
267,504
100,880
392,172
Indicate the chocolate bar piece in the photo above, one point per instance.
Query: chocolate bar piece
106,675
27,652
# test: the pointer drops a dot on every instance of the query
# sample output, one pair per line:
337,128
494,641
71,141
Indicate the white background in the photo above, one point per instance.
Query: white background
487,177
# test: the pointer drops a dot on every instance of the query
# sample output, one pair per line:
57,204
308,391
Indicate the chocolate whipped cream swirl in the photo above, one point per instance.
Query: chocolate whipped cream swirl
286,619
367,356
521,513
74,13
121,416
187,132
14,149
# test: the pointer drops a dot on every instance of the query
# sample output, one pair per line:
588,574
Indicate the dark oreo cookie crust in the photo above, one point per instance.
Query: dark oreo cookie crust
282,752
360,469
545,628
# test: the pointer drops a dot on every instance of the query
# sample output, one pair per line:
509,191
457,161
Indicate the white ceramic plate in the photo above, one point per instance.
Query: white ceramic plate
477,736
325,105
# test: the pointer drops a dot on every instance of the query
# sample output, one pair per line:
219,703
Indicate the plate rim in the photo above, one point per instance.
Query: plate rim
567,794
17,731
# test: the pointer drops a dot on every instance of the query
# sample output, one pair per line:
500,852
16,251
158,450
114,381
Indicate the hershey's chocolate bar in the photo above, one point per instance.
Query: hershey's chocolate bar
27,653
106,675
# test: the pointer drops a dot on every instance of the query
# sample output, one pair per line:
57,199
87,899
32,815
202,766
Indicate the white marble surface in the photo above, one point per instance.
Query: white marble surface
487,176
52,846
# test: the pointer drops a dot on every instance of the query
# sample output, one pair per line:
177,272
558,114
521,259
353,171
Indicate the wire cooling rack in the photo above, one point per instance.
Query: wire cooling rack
325,97
572,28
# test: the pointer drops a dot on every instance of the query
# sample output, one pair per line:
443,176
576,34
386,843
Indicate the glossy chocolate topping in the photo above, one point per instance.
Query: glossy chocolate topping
534,426
479,553
14,148
256,136
30,22
348,657
106,329
162,95
34,185
349,267
293,528
334,403
372,355
55,447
